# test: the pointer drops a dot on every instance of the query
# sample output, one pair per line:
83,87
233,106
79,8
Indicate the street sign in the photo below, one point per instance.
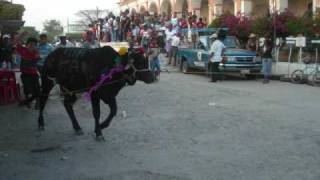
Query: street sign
291,40
301,41
315,41
261,42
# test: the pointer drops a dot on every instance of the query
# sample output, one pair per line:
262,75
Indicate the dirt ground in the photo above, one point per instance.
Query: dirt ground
180,128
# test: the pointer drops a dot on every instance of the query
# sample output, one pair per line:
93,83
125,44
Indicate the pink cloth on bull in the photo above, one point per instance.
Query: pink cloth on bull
103,79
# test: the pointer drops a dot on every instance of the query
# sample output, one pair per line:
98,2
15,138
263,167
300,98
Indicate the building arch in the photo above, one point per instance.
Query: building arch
153,8
182,7
166,8
228,6
204,9
300,7
142,9
133,10
260,8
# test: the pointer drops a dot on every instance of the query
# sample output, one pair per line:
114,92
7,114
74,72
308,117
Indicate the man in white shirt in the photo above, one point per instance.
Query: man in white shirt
175,42
169,34
174,21
216,56
64,42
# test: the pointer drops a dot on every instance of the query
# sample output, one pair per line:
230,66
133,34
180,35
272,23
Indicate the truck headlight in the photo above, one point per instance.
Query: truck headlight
231,58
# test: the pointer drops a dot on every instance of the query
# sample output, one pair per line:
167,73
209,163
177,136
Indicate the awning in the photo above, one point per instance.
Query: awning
11,23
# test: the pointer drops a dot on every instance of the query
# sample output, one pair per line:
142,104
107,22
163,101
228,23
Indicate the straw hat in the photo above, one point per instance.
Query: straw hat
214,36
252,35
6,36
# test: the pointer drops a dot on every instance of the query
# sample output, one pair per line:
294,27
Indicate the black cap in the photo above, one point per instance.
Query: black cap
32,39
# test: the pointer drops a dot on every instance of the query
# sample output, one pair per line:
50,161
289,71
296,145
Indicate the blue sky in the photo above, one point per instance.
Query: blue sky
37,11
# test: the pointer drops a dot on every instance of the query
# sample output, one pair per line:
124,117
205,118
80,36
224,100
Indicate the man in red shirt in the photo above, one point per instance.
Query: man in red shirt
201,24
183,27
30,56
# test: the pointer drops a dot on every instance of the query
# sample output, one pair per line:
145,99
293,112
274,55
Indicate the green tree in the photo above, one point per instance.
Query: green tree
53,28
262,25
9,11
32,32
10,16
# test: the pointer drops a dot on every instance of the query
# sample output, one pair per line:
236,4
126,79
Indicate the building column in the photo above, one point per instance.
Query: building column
316,5
280,5
237,6
217,8
211,12
246,7
173,7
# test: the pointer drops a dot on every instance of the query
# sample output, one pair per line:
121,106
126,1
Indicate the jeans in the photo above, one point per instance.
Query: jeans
173,54
116,35
267,65
155,65
31,87
112,35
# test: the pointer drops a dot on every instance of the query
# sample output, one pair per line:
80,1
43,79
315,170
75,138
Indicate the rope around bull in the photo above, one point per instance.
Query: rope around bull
68,92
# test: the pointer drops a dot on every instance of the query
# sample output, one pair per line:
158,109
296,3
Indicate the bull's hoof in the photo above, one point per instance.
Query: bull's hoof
100,138
79,132
41,128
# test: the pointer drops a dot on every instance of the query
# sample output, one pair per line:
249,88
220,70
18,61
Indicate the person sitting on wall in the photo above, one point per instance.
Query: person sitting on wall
90,41
253,43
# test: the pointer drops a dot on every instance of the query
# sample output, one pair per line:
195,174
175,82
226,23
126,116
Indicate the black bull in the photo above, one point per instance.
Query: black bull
77,69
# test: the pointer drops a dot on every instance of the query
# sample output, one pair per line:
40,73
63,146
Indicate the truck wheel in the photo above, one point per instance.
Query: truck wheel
185,67
297,76
316,78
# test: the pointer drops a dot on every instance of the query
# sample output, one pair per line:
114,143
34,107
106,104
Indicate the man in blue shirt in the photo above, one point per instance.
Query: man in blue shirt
45,48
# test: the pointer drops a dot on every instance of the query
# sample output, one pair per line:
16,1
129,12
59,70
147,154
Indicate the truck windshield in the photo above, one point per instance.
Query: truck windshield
229,42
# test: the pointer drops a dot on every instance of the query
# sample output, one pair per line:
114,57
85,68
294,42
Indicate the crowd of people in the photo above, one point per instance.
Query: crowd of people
165,33
134,26
153,33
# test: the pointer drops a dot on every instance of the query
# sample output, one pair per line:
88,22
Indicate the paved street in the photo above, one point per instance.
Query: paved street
180,128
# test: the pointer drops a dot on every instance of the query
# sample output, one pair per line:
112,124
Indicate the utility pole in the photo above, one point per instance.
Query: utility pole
274,27
68,25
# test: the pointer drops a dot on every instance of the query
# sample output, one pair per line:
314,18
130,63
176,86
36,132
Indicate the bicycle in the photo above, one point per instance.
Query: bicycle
300,76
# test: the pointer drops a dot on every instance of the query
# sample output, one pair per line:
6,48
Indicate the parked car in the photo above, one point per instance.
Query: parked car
239,61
